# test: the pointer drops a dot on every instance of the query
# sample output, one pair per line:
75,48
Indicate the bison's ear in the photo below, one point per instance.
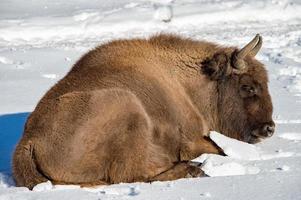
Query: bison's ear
217,66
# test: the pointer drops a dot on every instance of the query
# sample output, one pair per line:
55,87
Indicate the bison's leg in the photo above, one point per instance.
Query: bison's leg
191,150
24,168
180,170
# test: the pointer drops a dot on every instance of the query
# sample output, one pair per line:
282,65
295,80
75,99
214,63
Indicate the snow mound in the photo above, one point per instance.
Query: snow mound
234,148
43,187
235,163
216,165
240,157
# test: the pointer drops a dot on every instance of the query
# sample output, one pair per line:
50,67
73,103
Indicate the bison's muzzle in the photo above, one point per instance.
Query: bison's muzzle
264,131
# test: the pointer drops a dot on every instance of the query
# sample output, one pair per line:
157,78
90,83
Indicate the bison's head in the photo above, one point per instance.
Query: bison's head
244,103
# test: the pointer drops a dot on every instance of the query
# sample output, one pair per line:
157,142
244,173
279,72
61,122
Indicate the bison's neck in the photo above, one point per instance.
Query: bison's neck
203,95
184,66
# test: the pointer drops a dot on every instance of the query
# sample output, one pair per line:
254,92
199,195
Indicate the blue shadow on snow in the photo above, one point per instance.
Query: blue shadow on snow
11,130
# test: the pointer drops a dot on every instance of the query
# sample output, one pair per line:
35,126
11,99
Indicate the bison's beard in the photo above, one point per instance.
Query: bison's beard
249,136
242,131
253,135
253,139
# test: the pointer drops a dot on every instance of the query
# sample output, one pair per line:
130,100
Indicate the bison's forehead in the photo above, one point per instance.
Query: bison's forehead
256,70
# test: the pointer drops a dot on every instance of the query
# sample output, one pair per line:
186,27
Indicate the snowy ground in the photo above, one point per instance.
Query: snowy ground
40,40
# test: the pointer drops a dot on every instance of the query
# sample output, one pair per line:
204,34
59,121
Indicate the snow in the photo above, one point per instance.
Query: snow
284,168
40,41
43,186
215,165
235,148
50,76
235,161
238,159
163,13
290,136
4,60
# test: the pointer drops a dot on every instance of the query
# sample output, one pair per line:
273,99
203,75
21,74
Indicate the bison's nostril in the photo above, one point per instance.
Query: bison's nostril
269,129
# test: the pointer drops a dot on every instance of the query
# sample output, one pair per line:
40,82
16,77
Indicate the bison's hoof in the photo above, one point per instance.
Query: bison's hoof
194,171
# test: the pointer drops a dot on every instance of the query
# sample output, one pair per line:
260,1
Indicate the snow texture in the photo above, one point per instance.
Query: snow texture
235,163
234,148
41,40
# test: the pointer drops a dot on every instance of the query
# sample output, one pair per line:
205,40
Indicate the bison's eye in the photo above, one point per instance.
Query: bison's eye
247,91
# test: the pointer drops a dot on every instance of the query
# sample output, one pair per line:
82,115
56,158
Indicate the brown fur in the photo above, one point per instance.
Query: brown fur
138,110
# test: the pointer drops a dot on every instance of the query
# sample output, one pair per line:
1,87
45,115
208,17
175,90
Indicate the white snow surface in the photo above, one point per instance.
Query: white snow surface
235,161
41,40
235,148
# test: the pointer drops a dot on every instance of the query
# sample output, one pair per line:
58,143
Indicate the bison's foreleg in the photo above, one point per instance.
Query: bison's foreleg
191,150
180,170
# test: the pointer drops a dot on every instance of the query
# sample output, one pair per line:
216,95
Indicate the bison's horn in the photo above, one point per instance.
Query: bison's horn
255,50
251,49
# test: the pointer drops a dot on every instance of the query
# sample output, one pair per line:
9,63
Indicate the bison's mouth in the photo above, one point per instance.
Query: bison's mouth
262,135
254,139
264,131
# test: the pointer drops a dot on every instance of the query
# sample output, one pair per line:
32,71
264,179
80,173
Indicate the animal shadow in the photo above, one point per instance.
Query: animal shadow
11,129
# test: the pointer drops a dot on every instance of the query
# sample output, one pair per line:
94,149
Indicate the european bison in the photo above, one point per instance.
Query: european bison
140,109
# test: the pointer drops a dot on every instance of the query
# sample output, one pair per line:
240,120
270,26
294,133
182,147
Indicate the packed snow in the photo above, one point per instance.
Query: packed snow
238,159
41,40
235,161
235,148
